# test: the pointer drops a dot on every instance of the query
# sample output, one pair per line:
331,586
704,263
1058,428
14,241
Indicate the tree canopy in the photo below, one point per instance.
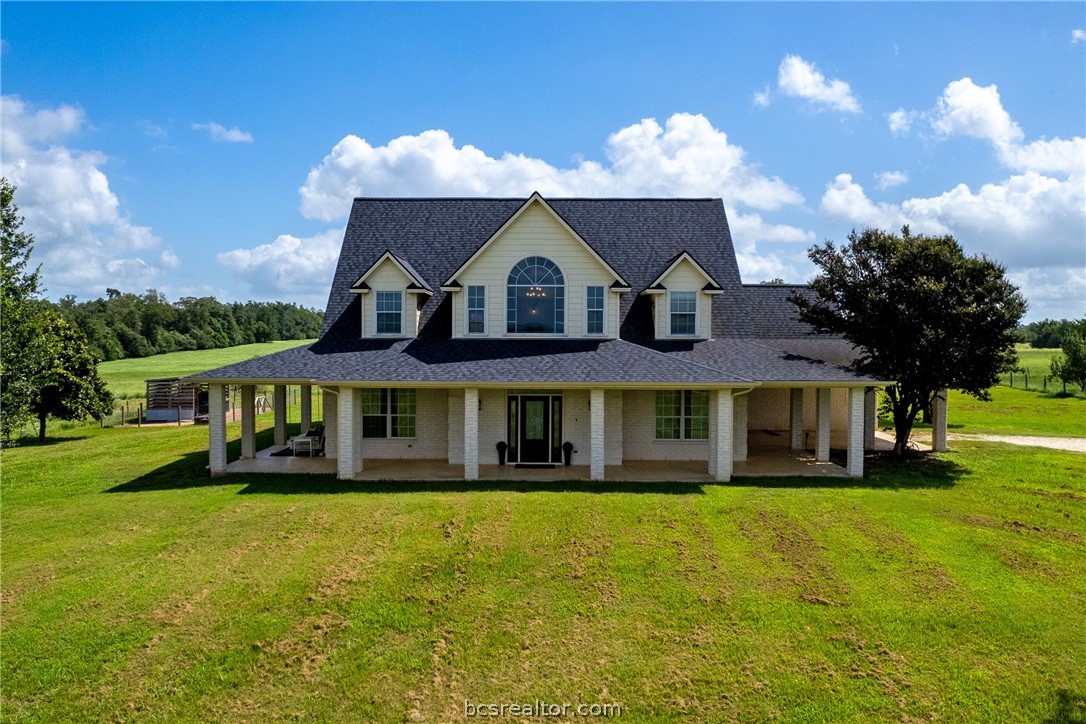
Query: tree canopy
1070,364
921,312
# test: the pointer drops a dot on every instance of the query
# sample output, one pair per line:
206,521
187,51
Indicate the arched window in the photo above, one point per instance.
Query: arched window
535,298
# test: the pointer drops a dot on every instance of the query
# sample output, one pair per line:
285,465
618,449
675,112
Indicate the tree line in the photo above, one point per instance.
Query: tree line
140,325
1049,333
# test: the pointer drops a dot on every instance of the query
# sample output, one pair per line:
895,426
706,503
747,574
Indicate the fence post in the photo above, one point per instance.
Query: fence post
179,415
139,416
1027,378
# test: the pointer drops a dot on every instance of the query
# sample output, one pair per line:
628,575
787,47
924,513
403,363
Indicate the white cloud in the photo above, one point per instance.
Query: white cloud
901,121
222,133
685,157
151,129
889,179
83,239
801,79
1078,35
966,109
300,267
761,98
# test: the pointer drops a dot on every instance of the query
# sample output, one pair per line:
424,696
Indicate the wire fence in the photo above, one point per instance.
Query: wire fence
1039,379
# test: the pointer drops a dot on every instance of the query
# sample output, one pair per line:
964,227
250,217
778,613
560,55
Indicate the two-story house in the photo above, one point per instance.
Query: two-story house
585,331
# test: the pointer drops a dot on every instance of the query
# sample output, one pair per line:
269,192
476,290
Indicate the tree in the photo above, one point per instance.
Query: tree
18,306
1070,365
921,312
64,374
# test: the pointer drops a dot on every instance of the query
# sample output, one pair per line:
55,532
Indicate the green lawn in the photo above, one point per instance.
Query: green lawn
135,588
1017,412
126,377
1037,362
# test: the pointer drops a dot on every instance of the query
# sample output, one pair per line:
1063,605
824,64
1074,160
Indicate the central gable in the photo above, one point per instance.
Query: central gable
534,230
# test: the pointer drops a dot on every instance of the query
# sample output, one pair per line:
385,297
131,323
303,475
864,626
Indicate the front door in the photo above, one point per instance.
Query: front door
535,429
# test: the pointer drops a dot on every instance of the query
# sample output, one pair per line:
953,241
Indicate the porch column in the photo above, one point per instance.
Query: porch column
722,401
330,405
856,430
307,409
216,429
596,433
822,414
471,433
795,419
871,398
938,422
714,421
248,421
739,442
279,412
350,429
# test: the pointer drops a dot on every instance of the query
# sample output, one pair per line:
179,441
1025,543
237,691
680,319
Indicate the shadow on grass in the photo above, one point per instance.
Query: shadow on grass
33,441
884,472
1069,708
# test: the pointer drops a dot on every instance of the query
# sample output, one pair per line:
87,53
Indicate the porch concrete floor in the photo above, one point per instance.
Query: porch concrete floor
767,456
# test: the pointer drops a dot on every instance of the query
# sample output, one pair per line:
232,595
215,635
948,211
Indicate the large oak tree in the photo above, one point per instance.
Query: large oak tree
921,312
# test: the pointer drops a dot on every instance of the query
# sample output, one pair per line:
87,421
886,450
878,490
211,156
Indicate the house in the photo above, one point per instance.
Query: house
591,332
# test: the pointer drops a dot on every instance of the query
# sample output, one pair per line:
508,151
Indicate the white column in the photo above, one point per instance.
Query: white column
279,412
216,428
822,414
471,433
795,419
714,420
938,422
248,421
331,428
722,469
596,433
349,423
871,399
307,408
739,434
856,429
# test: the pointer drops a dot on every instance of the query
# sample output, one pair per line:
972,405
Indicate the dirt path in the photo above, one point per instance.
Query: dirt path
1073,444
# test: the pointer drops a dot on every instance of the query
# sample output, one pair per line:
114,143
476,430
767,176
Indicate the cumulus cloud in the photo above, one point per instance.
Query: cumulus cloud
966,109
798,78
900,121
1078,35
299,267
222,133
685,157
889,179
761,98
84,240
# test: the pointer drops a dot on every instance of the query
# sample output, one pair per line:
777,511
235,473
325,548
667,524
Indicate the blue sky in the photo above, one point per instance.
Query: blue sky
214,148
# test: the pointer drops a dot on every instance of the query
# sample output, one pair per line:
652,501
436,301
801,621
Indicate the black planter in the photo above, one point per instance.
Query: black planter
502,447
567,453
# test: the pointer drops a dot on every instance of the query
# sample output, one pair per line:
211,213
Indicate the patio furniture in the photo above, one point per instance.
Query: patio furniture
311,442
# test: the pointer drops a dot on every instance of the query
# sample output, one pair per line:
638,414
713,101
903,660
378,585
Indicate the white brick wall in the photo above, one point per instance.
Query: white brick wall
598,410
724,432
279,410
639,432
456,427
248,421
331,428
613,422
431,441
576,426
856,432
739,433
471,433
822,422
769,410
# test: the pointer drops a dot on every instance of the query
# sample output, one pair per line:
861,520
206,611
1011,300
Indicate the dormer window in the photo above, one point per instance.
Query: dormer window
684,313
536,298
389,312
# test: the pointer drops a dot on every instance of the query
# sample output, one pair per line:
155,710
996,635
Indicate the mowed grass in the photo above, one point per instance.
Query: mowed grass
126,377
1017,412
136,588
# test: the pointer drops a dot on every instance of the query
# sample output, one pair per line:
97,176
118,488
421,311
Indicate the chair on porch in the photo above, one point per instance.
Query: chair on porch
312,442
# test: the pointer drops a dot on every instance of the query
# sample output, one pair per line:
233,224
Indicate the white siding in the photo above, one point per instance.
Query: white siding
684,278
639,432
535,233
388,277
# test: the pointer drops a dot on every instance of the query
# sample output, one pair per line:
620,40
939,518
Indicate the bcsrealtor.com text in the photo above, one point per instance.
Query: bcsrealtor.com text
540,709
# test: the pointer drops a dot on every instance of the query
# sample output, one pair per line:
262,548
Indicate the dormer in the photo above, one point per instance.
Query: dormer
682,298
535,276
392,293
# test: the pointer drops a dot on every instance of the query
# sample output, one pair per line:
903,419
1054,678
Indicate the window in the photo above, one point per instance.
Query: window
476,310
388,413
535,298
684,307
594,310
682,415
389,312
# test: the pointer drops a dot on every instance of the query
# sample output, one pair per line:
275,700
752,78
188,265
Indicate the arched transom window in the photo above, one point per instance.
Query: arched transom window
535,298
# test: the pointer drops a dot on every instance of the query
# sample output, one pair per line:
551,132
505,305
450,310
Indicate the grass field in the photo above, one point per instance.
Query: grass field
136,588
1037,362
126,377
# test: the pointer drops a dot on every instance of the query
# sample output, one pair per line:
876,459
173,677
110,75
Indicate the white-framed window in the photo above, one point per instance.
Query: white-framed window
682,415
389,312
594,310
388,413
476,309
683,313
